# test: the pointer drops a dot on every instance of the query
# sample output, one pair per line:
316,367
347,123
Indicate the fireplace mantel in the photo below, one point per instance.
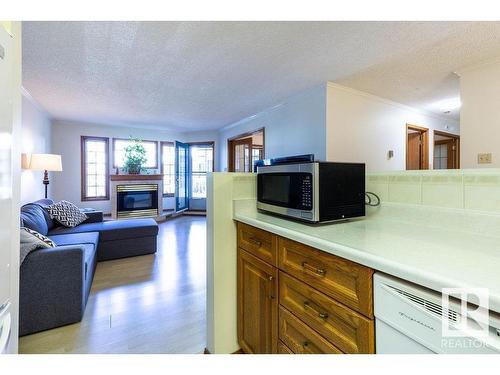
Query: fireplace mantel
135,177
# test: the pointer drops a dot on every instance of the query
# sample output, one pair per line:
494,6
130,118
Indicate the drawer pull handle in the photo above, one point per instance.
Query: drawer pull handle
320,314
305,344
323,315
255,241
318,271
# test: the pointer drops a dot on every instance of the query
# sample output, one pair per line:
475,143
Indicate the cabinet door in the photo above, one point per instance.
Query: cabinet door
257,305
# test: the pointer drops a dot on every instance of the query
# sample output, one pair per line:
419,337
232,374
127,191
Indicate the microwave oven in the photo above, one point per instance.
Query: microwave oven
313,191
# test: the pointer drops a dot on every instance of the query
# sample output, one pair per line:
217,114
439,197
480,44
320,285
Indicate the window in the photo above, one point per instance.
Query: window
95,164
119,146
202,161
168,168
257,154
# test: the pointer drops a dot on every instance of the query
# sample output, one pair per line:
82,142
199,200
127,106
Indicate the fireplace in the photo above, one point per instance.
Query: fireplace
137,200
136,195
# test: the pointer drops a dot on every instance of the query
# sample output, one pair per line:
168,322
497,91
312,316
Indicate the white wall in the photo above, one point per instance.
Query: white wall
363,128
66,141
296,126
223,189
36,138
480,114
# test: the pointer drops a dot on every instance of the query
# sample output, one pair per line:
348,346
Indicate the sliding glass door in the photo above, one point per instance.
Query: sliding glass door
191,162
181,173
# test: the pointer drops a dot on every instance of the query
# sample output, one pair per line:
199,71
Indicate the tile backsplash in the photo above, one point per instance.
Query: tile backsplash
472,189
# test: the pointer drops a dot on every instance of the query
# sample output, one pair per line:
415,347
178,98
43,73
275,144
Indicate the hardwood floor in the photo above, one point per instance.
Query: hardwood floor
146,304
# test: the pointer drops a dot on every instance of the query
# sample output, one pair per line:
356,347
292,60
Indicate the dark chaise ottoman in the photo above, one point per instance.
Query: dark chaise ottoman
119,238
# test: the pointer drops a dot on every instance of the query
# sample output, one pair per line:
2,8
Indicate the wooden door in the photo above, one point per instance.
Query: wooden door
446,150
242,155
453,154
417,148
257,305
414,156
244,150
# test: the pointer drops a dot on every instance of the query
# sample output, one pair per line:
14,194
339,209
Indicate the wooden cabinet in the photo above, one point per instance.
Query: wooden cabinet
257,304
347,282
293,298
348,330
283,349
262,244
300,338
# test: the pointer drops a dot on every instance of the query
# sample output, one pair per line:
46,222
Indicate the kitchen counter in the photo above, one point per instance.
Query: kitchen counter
430,246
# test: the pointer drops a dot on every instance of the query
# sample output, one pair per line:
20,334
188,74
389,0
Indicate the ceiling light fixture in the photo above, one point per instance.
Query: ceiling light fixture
448,105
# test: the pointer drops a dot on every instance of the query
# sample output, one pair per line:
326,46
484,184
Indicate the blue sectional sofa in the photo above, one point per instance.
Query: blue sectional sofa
55,283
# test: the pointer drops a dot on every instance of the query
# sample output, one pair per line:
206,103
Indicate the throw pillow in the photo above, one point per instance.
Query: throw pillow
32,240
66,213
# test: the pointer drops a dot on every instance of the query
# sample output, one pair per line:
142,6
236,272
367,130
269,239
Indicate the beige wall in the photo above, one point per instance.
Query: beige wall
66,138
363,128
36,133
480,115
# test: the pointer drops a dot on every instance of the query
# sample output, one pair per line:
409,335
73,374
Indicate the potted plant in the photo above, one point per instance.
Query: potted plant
135,156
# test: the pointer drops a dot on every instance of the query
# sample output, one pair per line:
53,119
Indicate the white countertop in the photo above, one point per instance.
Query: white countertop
436,248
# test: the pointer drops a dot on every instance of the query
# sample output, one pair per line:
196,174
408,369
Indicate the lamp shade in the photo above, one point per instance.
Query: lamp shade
45,162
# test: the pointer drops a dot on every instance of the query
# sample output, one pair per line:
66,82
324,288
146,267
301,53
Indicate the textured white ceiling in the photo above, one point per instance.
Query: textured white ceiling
205,75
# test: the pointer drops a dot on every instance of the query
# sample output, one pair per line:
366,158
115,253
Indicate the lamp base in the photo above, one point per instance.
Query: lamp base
46,181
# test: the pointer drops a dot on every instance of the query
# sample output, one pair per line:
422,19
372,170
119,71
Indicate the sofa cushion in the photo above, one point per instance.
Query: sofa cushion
75,238
31,240
88,240
45,203
66,213
114,229
35,217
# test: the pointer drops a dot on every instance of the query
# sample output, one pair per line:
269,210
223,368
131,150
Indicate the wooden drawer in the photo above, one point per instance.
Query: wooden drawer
300,338
283,349
341,279
262,244
348,330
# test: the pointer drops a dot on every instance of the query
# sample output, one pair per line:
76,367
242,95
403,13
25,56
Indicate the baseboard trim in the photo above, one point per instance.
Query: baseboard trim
195,213
239,351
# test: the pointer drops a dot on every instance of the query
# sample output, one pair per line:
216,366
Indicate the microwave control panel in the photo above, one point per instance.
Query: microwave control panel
306,193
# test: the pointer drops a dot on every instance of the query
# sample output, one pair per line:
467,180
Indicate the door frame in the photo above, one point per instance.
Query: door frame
208,143
239,142
178,146
231,141
424,158
456,138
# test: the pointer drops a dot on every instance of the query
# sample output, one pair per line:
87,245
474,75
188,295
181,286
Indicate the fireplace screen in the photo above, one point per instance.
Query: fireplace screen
133,200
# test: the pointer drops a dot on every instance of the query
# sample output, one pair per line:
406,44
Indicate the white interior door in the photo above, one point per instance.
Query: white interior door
6,204
5,161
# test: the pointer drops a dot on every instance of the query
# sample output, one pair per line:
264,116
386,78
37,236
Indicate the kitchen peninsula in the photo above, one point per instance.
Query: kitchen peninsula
431,246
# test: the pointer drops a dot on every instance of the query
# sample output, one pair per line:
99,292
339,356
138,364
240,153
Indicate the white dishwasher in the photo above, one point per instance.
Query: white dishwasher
408,320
